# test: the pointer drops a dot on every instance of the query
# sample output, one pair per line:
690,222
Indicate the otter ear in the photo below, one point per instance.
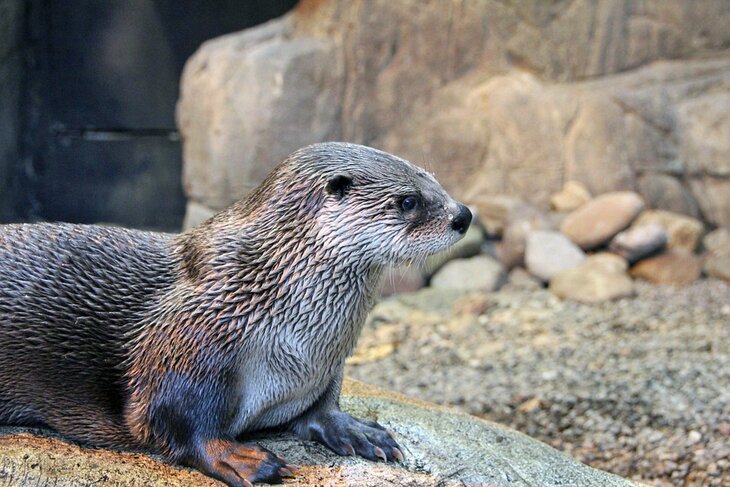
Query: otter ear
339,185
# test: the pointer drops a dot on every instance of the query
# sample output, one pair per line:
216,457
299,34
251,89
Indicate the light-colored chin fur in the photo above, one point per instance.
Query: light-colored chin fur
416,255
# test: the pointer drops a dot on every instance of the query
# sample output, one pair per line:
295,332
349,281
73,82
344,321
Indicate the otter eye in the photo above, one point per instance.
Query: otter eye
339,185
409,203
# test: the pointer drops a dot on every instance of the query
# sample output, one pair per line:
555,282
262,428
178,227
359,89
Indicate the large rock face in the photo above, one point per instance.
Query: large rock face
493,96
441,447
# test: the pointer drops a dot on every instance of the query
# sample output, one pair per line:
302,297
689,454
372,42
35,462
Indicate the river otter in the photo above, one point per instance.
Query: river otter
179,344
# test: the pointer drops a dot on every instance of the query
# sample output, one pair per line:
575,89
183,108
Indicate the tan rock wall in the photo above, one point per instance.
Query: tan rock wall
493,96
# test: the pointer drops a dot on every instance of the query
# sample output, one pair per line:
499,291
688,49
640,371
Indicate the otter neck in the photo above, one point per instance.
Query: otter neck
314,290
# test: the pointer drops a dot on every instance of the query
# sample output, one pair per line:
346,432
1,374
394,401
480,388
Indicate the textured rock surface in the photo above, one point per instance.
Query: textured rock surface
548,253
521,220
594,223
684,232
494,97
440,444
717,262
620,385
599,278
494,211
676,267
571,197
716,239
639,241
245,100
477,273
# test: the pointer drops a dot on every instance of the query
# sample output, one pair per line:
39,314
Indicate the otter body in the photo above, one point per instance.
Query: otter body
179,344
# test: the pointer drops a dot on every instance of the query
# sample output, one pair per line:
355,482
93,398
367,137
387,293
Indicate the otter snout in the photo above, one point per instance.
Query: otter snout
461,221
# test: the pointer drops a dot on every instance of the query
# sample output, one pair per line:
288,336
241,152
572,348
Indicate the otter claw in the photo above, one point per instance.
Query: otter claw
380,453
247,483
285,472
350,450
397,454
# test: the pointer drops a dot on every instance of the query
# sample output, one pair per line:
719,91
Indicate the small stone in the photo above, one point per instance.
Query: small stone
477,273
494,210
548,253
520,278
717,262
683,231
676,267
594,223
716,239
571,197
521,221
196,213
608,262
599,278
472,304
639,241
529,406
693,437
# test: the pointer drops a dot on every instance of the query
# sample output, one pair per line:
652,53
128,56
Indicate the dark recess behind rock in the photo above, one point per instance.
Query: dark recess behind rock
96,118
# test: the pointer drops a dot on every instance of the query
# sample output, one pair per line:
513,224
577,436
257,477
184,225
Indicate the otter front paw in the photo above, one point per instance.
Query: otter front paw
346,435
241,465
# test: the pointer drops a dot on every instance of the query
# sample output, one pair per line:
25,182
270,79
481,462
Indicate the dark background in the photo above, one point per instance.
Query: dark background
98,141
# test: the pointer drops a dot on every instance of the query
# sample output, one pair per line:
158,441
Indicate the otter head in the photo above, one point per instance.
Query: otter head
372,206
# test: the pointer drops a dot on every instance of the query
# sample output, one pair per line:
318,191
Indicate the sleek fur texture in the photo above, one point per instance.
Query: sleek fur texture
179,344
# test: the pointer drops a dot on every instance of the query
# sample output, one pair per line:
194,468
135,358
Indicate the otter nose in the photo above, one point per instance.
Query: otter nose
461,221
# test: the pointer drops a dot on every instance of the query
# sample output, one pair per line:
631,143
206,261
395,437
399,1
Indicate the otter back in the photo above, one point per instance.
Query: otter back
70,295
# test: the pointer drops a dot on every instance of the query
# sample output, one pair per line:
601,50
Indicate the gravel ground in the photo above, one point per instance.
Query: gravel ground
639,387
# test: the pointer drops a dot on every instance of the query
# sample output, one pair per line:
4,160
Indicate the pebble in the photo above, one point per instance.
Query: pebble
639,241
599,278
571,197
683,231
618,402
676,267
476,273
596,222
548,253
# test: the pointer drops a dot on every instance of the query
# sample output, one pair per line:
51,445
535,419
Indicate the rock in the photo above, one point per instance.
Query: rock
599,278
520,278
665,191
716,239
676,267
477,273
713,196
518,115
494,210
608,262
717,262
593,224
195,214
571,197
683,231
469,246
439,444
704,138
265,96
520,222
548,253
639,241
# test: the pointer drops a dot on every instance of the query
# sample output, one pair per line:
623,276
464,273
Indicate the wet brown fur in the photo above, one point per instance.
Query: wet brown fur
180,343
